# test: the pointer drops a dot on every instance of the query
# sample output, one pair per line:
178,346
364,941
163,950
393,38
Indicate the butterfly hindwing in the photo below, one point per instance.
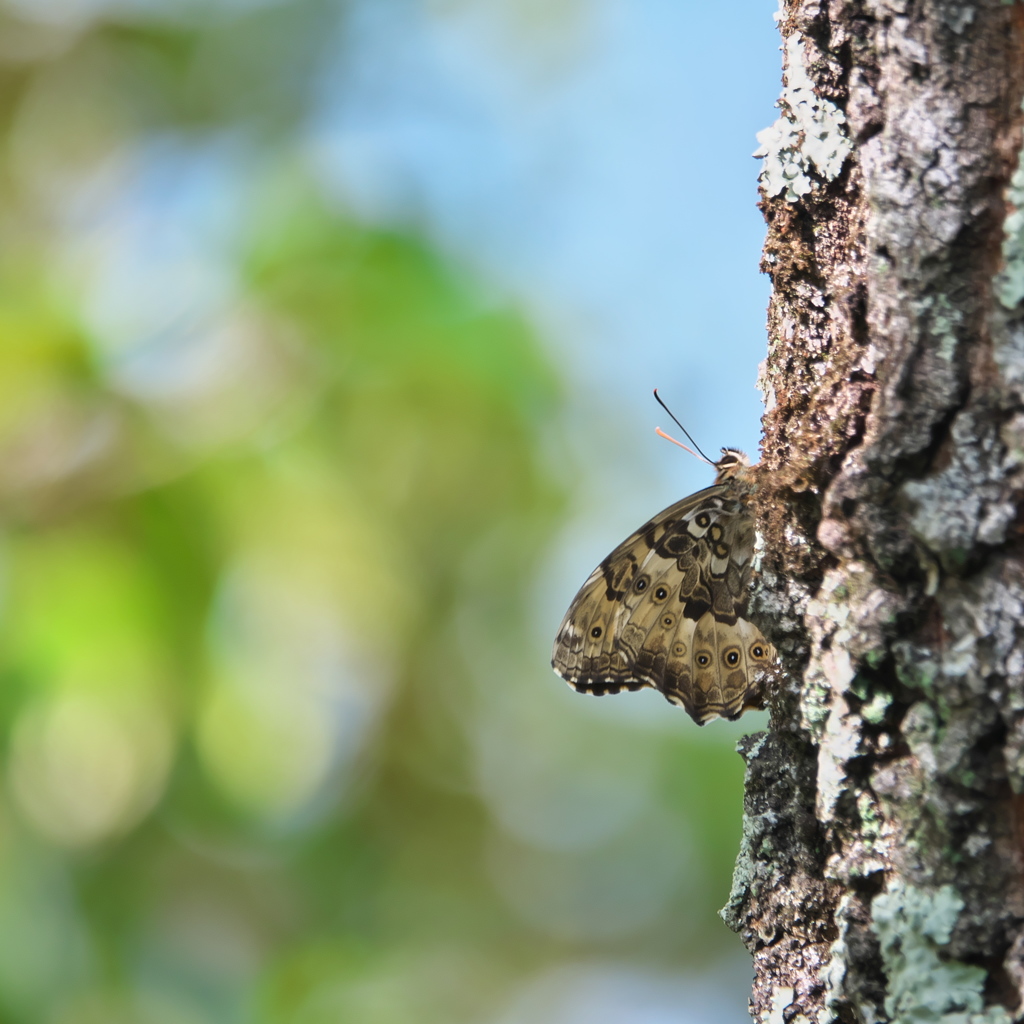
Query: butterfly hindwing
667,609
587,649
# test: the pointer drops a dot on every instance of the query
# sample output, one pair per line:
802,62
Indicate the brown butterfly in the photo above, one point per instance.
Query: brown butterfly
667,607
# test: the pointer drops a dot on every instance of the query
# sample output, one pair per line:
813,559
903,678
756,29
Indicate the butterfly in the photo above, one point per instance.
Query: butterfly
667,608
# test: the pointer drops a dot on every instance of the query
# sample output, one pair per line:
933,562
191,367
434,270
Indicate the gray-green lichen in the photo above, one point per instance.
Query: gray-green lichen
912,924
809,134
915,667
875,709
964,503
1010,281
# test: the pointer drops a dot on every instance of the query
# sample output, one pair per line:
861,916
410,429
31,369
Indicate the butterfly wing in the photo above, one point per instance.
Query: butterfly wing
667,609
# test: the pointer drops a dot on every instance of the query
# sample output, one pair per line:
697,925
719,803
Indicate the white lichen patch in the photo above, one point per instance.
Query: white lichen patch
839,744
782,999
837,641
808,138
765,386
834,973
1010,280
912,924
976,844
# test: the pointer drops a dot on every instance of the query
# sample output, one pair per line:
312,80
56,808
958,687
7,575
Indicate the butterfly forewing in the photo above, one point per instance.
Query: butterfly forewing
667,609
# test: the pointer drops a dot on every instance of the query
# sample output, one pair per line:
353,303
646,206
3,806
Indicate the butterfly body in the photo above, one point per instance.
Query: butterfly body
667,608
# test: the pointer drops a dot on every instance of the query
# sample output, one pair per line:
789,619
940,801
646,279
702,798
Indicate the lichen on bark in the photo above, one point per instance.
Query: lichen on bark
880,873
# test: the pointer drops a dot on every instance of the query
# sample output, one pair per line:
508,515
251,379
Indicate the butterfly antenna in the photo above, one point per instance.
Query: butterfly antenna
682,428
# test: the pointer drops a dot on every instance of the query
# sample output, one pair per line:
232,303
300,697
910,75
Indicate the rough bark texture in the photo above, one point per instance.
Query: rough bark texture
880,876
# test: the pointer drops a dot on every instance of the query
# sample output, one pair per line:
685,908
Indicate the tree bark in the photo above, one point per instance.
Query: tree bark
880,873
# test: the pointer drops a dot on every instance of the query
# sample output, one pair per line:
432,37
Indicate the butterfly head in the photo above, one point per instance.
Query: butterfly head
731,465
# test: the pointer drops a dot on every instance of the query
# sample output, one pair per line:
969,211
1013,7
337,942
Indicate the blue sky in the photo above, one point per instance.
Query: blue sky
594,165
599,171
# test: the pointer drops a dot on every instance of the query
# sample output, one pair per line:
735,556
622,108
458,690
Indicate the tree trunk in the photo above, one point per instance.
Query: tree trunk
880,874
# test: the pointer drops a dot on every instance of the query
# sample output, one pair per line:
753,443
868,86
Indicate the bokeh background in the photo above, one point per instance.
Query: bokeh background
327,334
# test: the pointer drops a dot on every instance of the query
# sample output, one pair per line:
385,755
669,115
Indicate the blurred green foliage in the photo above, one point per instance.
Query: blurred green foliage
276,489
